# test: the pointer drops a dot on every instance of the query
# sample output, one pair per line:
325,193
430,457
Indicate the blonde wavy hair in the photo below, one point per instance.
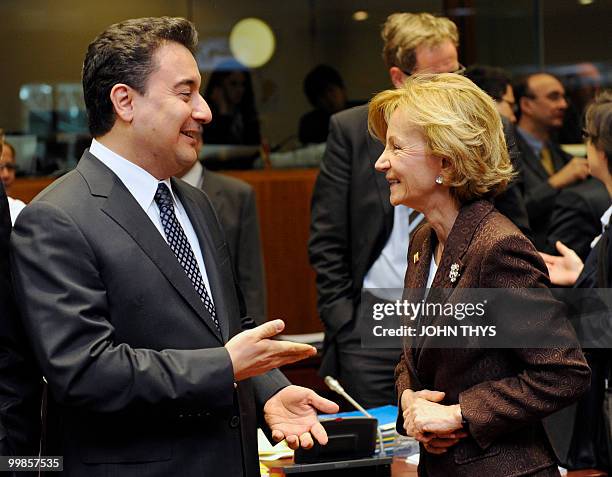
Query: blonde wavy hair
460,124
402,33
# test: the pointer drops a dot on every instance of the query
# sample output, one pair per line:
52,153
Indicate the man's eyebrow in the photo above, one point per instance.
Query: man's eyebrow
186,82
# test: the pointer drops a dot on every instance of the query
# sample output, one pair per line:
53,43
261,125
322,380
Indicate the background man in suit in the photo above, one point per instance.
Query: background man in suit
234,202
357,239
546,168
20,380
127,290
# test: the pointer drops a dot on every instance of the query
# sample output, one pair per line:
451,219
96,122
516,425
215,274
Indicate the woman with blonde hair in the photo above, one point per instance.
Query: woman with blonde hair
474,410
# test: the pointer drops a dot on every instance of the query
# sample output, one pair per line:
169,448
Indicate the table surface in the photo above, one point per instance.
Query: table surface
400,468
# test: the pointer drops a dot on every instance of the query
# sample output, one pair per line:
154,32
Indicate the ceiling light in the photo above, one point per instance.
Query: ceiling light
360,15
252,42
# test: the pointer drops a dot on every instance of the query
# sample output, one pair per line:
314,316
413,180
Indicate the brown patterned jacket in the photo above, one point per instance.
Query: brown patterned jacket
503,393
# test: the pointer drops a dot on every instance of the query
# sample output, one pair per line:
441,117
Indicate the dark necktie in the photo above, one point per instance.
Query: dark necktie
180,246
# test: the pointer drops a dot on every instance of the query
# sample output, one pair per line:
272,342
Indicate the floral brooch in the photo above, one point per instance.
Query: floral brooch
454,272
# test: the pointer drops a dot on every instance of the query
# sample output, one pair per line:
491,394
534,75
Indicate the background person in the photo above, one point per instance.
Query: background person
325,90
235,205
8,166
546,169
229,92
21,382
590,438
474,410
496,83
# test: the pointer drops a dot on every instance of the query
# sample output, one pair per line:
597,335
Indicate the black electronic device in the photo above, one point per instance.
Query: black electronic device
349,438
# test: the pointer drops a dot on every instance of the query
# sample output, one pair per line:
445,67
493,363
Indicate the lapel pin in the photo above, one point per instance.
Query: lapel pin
454,272
415,257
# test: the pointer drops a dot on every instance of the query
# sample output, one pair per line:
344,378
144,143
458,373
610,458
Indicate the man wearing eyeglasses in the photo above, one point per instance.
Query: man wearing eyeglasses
8,165
358,240
548,170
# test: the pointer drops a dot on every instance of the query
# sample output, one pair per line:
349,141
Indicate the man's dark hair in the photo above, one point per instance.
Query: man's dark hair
318,80
123,53
490,79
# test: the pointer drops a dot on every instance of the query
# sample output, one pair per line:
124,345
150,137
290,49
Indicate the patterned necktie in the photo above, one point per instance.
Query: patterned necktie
547,161
180,246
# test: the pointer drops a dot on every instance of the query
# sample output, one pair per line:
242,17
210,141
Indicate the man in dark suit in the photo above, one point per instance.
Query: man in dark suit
358,240
546,169
575,220
20,379
234,203
127,291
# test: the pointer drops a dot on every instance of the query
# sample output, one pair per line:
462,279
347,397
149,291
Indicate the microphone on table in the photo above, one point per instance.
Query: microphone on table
336,387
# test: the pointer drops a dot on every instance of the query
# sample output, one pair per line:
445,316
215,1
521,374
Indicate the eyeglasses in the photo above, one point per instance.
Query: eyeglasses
459,71
587,136
8,167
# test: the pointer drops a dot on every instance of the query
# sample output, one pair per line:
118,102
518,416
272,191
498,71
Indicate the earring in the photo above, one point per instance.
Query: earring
439,180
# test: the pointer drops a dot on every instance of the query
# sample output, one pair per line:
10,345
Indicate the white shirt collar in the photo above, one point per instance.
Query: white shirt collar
194,175
138,181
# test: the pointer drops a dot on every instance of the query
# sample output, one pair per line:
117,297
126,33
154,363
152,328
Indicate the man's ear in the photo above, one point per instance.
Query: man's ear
525,105
398,77
122,97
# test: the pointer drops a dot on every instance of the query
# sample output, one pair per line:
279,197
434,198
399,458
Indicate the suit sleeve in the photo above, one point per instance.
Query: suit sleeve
571,225
65,307
249,260
548,379
329,247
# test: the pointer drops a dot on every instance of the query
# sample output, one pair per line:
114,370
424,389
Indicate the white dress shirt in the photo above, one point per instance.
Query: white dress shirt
15,207
605,218
143,186
385,278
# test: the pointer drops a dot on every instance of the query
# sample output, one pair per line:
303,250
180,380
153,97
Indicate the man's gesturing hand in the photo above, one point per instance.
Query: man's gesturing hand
253,353
292,415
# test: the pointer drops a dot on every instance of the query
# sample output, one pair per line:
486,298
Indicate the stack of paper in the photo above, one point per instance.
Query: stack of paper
268,452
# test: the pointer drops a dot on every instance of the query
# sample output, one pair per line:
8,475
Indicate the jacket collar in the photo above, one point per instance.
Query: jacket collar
121,207
458,241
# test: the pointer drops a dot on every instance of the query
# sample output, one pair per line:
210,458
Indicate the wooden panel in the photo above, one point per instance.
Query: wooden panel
283,204
27,188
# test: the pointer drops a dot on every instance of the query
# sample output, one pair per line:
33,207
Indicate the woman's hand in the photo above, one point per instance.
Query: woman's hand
563,270
437,426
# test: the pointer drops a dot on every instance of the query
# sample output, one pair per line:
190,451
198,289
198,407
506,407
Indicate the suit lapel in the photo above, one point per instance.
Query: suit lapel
213,192
458,242
530,160
201,225
450,267
121,206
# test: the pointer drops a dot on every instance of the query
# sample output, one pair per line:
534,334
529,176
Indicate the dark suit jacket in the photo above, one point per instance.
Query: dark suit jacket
539,196
576,219
352,219
234,202
20,379
141,383
503,393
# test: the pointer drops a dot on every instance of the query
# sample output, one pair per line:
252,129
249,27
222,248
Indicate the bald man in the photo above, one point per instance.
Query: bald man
547,169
